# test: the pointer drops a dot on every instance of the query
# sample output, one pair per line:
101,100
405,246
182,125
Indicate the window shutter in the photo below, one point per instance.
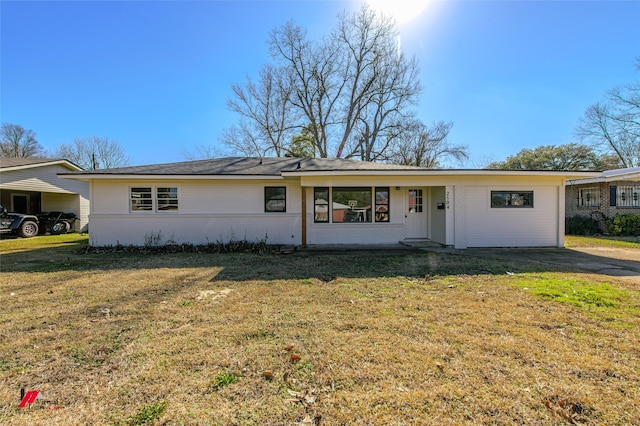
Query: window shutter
613,192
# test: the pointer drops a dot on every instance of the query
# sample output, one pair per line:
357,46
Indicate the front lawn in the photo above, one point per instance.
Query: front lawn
247,339
601,241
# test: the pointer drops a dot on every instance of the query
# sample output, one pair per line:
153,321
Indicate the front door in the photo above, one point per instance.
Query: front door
416,213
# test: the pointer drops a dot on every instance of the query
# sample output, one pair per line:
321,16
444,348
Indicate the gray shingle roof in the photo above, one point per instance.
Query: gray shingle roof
6,163
250,166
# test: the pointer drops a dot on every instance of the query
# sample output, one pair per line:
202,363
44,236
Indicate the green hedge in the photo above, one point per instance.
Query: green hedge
581,225
626,224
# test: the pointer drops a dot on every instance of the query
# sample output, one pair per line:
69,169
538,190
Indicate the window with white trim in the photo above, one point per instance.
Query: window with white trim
141,199
589,197
167,198
153,199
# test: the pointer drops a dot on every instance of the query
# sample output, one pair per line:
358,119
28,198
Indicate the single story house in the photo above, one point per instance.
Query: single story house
32,185
322,201
609,194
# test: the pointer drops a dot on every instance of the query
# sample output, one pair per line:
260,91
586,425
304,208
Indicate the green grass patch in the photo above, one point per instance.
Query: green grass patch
602,241
147,414
223,379
587,294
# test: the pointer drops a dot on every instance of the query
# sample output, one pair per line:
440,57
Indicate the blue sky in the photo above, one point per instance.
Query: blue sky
155,76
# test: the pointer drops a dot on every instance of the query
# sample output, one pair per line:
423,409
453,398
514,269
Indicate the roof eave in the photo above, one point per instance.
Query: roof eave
66,163
146,176
443,172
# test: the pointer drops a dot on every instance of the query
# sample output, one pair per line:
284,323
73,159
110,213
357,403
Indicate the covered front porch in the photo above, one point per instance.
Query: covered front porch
360,215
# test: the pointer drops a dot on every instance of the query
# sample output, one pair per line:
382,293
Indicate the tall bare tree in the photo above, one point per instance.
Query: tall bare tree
350,89
202,152
614,125
426,146
94,152
267,121
18,142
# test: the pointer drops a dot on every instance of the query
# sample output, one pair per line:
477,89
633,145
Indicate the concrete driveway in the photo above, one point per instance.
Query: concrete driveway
613,261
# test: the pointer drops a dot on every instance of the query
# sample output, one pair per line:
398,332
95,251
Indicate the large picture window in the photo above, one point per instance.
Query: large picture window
351,205
275,199
511,199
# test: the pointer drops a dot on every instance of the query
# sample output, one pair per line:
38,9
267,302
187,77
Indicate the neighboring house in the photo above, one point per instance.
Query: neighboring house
324,201
32,185
611,193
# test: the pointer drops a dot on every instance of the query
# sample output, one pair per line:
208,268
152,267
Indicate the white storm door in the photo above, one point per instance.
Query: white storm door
416,214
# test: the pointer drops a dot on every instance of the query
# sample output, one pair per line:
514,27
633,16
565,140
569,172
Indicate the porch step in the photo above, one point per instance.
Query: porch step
420,243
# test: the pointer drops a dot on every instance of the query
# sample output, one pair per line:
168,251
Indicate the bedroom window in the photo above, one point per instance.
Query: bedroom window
589,197
275,199
511,199
150,199
141,199
167,198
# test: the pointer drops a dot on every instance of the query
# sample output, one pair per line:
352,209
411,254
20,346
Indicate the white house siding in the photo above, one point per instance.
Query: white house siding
510,227
209,211
233,208
438,216
68,203
57,193
359,233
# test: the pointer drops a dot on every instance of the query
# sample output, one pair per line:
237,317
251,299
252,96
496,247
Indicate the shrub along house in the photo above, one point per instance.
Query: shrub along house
609,194
324,201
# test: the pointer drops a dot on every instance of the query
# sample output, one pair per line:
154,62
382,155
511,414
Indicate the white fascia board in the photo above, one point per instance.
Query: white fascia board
452,172
98,176
630,176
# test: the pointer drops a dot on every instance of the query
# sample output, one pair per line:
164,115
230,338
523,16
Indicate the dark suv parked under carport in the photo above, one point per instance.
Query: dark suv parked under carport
23,225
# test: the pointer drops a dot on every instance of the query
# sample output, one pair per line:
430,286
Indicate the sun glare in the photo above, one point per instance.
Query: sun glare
401,10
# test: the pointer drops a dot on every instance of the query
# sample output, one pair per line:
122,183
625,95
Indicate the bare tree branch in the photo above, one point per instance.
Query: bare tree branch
94,152
350,90
18,142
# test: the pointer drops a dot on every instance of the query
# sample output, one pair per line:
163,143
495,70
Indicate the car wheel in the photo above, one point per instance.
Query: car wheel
28,229
59,228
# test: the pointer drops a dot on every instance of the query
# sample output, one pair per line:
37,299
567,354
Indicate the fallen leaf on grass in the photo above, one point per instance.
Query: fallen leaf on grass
569,411
310,421
306,397
295,358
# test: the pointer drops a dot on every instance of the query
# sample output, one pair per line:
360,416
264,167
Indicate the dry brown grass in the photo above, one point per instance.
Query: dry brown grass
414,338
